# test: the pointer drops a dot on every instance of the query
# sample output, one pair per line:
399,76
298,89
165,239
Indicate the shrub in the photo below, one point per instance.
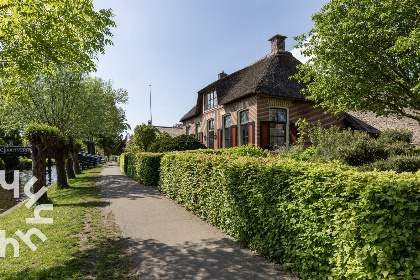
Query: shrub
182,142
324,221
2,165
396,135
399,164
143,137
355,148
25,163
142,167
2,143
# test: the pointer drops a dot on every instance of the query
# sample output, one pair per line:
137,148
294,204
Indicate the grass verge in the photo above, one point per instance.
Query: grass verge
82,243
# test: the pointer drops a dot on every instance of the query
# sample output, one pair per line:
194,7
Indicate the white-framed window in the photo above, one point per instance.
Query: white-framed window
243,120
278,127
210,100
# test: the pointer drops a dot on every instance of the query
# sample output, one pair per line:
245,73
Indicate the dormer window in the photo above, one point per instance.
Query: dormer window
210,100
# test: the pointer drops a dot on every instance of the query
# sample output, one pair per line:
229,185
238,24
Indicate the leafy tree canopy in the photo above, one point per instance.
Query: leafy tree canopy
144,136
365,56
36,35
77,105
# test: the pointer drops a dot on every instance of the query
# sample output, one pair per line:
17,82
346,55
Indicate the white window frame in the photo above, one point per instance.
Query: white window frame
212,99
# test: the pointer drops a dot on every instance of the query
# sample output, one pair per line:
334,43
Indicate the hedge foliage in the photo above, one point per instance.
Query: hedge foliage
142,167
165,143
323,221
2,165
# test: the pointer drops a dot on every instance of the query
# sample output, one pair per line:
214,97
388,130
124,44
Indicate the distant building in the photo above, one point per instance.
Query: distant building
172,131
260,104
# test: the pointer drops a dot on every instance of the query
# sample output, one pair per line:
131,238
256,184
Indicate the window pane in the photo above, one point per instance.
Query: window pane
227,121
282,115
277,135
244,117
278,115
273,115
211,124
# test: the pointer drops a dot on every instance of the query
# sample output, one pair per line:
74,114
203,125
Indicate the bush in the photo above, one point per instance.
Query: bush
142,167
396,135
324,221
355,148
2,143
25,163
397,163
2,165
183,142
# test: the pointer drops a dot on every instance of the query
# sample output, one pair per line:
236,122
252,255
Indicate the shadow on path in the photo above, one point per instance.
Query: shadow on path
168,242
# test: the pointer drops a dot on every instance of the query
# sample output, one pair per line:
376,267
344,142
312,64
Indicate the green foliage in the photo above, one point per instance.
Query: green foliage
2,165
38,35
357,148
247,150
2,142
162,143
142,167
25,163
399,163
396,135
350,147
186,142
165,143
324,221
144,136
364,56
77,105
35,131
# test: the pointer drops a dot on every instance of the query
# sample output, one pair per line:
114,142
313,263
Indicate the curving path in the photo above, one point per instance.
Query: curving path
168,242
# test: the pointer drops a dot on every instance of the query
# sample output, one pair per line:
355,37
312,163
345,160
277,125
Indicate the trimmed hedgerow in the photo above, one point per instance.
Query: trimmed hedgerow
142,167
323,221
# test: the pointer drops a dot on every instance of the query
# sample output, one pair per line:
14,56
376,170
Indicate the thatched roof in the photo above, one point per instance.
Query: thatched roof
172,131
269,76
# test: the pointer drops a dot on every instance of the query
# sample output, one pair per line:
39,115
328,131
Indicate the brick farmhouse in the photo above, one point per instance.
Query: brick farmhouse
260,104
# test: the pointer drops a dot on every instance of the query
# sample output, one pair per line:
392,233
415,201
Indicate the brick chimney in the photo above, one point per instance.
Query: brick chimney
222,75
278,43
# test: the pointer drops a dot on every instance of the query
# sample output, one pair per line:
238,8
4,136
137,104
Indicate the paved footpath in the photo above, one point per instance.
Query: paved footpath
168,242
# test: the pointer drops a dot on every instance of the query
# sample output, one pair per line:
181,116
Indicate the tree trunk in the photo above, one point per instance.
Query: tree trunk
76,164
60,165
38,171
69,167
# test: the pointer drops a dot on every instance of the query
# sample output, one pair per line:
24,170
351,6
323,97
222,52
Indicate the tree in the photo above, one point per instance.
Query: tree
43,139
37,35
143,137
76,105
364,56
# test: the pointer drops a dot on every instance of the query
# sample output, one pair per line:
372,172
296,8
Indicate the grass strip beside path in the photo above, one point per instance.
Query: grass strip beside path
82,243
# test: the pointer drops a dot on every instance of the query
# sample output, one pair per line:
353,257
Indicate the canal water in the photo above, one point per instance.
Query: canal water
7,200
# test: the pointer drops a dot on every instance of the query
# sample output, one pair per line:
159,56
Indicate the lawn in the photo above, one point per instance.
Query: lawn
82,243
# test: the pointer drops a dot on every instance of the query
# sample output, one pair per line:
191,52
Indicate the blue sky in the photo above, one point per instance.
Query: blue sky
179,47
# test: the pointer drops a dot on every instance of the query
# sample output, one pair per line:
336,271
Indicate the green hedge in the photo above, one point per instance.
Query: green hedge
323,221
142,167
